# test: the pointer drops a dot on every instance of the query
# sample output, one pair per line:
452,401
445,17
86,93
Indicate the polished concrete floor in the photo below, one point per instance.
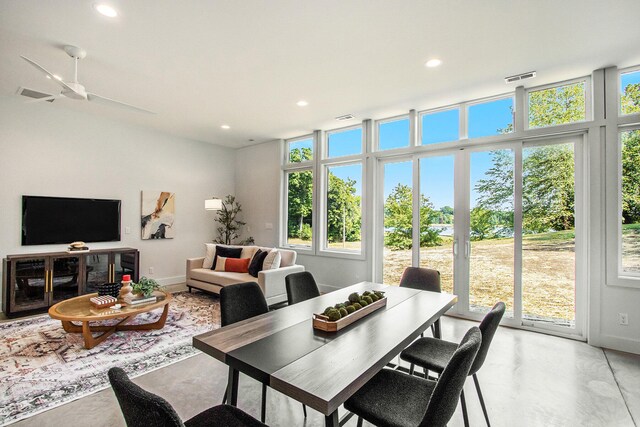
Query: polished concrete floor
528,379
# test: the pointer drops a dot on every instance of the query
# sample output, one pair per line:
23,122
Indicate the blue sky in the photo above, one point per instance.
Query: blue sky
627,79
349,171
441,126
345,143
394,134
485,119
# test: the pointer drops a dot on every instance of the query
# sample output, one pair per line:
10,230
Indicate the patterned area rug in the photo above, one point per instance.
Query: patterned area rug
42,367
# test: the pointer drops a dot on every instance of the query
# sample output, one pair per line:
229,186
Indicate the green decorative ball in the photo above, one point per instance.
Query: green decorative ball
347,303
380,294
374,297
357,306
343,312
327,310
339,306
354,297
363,302
368,299
334,315
350,309
365,293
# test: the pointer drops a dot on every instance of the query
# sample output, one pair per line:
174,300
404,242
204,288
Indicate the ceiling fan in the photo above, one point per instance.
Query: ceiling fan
75,90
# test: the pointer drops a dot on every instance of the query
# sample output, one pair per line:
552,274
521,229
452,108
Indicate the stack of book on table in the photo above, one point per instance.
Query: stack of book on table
140,299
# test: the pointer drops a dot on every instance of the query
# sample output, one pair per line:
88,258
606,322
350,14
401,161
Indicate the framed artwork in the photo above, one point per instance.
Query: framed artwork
158,215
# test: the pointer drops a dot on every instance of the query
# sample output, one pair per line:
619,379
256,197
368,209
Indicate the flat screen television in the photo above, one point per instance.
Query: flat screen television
48,220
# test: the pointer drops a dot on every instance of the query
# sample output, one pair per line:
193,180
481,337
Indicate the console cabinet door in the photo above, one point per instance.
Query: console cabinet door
125,262
97,271
28,284
64,277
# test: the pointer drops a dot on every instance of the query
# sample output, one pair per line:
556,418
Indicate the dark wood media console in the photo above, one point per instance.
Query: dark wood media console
31,283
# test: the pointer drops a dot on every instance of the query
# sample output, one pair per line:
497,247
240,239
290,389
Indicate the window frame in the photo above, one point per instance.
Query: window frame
458,107
287,150
381,122
469,104
588,103
285,204
325,143
634,69
323,243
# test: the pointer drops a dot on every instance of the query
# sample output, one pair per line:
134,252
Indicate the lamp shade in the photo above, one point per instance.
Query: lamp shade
213,204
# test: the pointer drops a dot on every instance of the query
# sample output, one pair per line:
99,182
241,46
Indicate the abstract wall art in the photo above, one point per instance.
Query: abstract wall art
158,215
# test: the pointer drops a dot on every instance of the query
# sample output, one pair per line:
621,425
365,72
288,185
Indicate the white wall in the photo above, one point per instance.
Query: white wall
48,150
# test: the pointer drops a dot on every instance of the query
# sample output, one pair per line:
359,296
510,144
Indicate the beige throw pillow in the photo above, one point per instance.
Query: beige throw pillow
220,263
210,254
272,261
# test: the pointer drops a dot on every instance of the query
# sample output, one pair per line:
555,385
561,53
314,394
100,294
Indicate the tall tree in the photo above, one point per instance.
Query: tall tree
300,195
343,210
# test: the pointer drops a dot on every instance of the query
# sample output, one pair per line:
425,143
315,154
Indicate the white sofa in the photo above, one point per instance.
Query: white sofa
271,281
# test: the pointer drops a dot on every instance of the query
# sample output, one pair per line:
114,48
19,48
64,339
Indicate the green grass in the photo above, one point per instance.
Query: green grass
626,227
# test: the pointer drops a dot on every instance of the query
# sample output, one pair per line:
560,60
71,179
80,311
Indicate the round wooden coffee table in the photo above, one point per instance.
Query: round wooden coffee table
79,309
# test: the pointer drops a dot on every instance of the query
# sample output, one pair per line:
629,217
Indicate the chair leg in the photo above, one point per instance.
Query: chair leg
224,398
437,332
304,410
263,411
464,409
359,421
484,408
411,368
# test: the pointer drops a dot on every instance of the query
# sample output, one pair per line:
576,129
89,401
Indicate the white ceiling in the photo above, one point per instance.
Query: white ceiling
201,64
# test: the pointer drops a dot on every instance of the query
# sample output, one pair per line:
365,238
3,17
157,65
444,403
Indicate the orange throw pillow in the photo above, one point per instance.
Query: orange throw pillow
237,265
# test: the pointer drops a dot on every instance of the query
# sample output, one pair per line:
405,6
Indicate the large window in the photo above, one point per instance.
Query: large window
630,92
630,201
440,126
393,133
344,142
557,105
344,207
489,118
300,150
299,208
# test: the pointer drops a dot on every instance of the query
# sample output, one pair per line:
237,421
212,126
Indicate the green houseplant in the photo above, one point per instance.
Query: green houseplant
145,286
230,226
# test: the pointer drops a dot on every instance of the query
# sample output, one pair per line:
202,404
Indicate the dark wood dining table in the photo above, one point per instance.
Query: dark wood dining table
323,369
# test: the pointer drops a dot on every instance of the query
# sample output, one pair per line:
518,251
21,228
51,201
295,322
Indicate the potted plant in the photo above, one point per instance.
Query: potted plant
229,228
145,286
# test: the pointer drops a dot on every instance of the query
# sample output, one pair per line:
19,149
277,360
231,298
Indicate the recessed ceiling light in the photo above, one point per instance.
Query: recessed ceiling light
432,63
225,127
302,103
106,10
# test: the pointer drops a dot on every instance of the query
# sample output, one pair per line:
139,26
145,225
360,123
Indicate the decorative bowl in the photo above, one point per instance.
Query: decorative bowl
112,289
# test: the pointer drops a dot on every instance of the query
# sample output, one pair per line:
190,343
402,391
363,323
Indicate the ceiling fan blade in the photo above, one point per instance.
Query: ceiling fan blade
114,103
47,73
44,98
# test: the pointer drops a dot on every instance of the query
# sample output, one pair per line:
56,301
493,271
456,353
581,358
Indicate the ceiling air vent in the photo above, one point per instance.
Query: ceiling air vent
518,77
30,93
345,117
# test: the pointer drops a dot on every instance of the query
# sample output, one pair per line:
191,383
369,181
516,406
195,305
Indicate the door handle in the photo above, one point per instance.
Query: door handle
455,247
467,249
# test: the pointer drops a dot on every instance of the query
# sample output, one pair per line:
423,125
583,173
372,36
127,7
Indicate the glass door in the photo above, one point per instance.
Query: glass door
397,223
489,246
64,278
29,288
551,234
98,271
437,224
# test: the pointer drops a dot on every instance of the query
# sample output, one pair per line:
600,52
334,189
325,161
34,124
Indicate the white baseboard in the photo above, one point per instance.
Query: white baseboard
327,288
165,281
617,343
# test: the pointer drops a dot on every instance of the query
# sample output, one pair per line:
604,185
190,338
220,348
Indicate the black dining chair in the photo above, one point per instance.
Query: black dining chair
433,354
240,302
300,287
141,408
393,398
424,279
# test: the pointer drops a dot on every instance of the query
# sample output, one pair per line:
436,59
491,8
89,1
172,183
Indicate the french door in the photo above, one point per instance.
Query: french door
500,223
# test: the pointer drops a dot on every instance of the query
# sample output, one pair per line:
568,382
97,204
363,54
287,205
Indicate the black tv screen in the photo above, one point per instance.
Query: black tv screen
48,220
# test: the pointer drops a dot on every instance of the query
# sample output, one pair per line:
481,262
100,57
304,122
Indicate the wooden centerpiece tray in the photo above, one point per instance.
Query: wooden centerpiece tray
322,322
